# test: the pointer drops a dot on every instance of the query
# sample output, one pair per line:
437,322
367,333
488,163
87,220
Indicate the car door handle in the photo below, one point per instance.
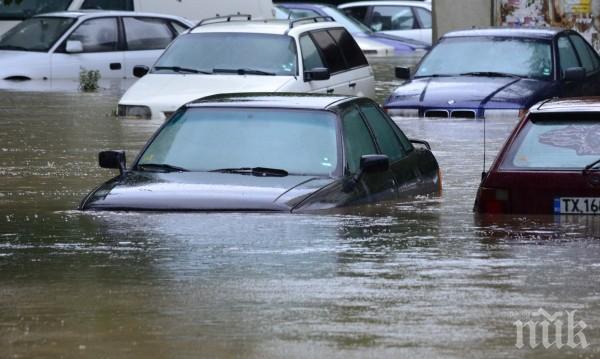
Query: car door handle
352,84
115,66
330,90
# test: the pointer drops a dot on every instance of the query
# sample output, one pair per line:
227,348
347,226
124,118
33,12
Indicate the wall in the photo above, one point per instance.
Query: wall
451,15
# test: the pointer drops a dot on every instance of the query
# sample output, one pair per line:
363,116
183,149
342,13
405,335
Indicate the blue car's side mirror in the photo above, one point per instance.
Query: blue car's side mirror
368,164
574,74
113,159
402,73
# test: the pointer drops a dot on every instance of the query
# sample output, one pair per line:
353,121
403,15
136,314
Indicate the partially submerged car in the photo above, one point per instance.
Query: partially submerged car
495,73
58,45
232,53
270,152
550,164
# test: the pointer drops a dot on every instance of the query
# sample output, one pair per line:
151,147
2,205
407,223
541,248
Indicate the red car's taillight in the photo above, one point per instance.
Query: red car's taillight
493,201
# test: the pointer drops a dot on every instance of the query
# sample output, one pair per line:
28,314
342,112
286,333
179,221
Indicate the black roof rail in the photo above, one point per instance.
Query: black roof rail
312,18
224,18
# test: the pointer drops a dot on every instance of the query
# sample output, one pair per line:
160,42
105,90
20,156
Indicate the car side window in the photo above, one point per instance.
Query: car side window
424,16
583,50
179,27
144,33
357,139
392,18
352,53
126,5
310,54
568,58
384,132
300,13
357,12
333,57
97,35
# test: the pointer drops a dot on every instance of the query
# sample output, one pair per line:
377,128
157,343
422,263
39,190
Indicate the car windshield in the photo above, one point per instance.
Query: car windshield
464,55
353,26
557,144
35,34
24,9
208,139
242,53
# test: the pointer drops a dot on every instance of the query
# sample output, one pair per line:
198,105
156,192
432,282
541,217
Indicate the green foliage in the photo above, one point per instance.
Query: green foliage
88,80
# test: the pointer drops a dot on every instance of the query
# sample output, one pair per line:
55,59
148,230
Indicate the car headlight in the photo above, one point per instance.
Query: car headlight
134,111
505,114
403,112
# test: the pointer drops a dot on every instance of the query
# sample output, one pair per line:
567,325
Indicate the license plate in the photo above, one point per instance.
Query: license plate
577,205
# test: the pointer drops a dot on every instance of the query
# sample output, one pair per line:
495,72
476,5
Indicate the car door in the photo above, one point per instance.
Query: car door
591,63
396,20
425,23
334,61
100,50
359,73
312,59
568,59
392,142
145,39
358,142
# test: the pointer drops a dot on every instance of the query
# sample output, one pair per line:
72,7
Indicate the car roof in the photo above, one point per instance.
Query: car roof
272,100
574,104
538,33
426,5
271,26
101,13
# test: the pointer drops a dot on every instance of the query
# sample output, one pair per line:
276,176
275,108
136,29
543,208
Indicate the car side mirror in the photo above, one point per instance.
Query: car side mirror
113,159
402,73
574,74
74,47
140,71
368,164
317,74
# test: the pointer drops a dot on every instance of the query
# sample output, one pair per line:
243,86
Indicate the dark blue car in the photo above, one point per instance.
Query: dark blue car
401,45
496,73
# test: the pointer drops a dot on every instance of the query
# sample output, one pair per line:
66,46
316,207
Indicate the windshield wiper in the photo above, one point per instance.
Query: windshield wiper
433,75
12,47
163,167
182,69
256,171
244,71
489,74
591,166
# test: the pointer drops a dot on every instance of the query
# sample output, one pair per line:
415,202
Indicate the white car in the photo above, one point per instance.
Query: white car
59,45
235,54
410,19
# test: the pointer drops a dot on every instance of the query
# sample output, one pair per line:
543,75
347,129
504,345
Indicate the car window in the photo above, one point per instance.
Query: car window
126,5
392,18
555,143
357,139
143,33
310,54
384,132
567,55
179,27
357,12
352,53
36,34
329,49
584,52
97,35
206,139
424,16
300,13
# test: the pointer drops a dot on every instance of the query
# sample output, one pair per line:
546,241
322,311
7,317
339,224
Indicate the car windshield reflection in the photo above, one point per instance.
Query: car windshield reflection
35,34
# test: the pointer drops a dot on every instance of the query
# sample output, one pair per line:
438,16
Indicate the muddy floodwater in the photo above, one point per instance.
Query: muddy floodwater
418,279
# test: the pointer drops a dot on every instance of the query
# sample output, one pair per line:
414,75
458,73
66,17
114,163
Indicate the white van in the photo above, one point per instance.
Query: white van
13,12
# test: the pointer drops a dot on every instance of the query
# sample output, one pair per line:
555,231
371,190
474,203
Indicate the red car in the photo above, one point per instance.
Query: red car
550,164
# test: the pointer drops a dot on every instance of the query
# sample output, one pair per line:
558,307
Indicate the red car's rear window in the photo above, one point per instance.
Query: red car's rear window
558,141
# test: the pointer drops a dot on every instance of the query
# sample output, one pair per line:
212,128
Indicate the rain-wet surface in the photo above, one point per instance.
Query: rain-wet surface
423,278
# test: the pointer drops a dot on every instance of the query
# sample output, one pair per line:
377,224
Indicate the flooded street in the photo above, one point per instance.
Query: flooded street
419,279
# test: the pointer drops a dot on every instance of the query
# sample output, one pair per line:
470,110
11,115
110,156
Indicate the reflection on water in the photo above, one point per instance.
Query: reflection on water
422,278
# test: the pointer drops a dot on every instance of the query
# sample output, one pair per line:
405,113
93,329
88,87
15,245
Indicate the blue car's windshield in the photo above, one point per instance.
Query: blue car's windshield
23,9
35,34
209,139
222,52
464,55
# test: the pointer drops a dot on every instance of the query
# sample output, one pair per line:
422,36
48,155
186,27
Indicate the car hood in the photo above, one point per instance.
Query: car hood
202,191
170,91
468,92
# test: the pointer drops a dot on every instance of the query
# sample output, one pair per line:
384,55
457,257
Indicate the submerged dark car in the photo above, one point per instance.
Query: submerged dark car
487,73
270,152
